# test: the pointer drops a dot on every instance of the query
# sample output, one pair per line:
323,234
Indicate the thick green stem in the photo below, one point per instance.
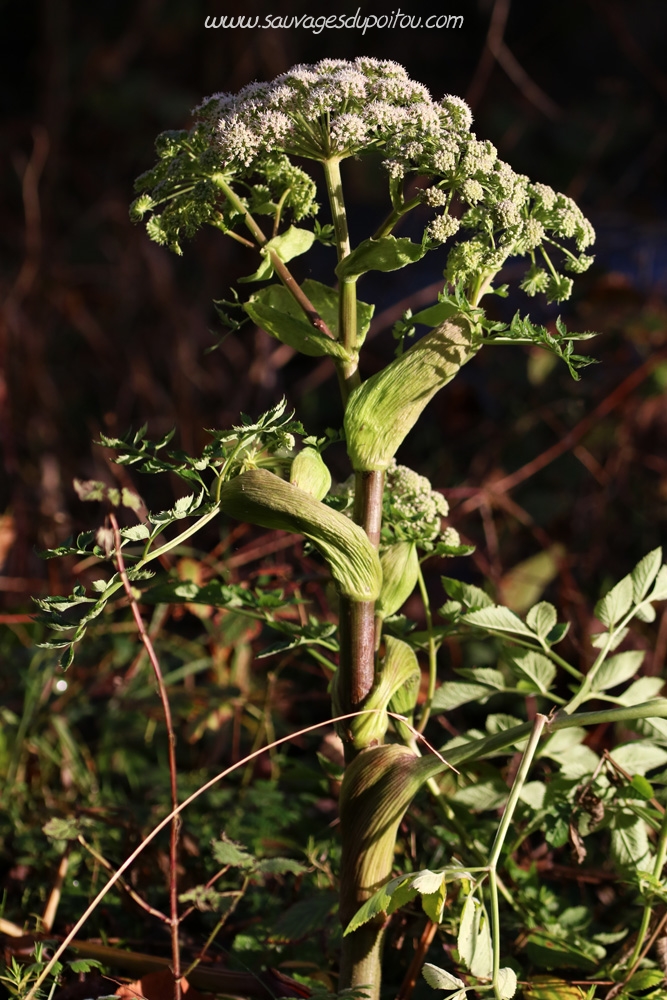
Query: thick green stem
432,653
348,372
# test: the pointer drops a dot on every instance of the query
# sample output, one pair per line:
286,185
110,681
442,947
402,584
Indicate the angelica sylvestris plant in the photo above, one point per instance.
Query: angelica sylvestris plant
240,169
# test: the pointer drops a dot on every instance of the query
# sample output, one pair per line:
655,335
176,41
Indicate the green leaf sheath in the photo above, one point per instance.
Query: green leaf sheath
382,411
378,786
259,497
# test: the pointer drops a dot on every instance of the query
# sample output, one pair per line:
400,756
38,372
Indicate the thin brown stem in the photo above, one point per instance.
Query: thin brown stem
368,493
139,900
171,736
423,946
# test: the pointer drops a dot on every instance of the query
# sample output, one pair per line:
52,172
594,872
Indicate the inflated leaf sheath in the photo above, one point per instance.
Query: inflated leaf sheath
382,411
377,788
260,497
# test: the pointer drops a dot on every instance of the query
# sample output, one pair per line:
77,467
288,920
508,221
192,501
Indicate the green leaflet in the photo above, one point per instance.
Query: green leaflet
386,254
382,411
292,243
260,497
276,311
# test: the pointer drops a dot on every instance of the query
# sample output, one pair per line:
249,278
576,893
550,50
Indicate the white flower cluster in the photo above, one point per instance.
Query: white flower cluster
413,509
336,108
339,108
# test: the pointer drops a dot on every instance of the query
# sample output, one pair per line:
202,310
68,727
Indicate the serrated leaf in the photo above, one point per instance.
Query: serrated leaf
507,983
452,694
484,795
659,592
600,639
136,532
642,690
484,675
618,669
558,632
427,881
645,613
469,595
379,902
542,618
644,574
85,964
226,852
616,603
533,794
497,619
629,841
440,979
535,671
639,756
474,938
61,828
280,866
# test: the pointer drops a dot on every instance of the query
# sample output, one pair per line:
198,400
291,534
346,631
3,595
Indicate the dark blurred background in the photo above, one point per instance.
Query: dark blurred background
101,329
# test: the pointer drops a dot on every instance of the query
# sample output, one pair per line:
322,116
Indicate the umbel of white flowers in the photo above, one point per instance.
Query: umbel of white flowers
336,109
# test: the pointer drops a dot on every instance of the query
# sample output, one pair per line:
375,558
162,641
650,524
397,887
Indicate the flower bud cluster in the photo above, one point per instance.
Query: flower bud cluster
413,510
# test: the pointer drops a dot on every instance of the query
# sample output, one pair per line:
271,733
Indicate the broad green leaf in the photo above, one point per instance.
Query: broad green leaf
629,840
507,983
427,881
136,532
644,983
535,670
483,796
618,669
469,595
533,793
642,690
499,722
525,583
379,902
645,613
451,694
616,603
542,618
292,243
474,938
644,574
386,254
440,979
639,756
484,675
433,891
273,309
643,787
659,592
561,742
497,619
600,639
